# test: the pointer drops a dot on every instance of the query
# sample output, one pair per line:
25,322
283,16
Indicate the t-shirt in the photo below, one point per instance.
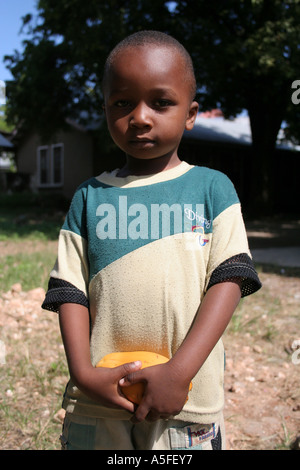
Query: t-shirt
140,252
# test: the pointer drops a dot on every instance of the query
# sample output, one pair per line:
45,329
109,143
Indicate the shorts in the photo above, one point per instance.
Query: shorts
85,433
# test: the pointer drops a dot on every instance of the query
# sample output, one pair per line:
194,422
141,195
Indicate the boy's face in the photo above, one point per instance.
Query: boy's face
148,102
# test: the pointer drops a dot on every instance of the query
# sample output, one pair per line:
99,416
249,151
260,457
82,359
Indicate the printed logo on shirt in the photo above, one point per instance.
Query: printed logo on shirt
201,239
198,216
202,223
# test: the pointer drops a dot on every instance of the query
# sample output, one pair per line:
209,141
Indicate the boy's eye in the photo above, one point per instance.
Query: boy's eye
121,103
163,103
159,104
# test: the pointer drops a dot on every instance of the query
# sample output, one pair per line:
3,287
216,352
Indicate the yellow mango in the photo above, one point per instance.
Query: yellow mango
133,392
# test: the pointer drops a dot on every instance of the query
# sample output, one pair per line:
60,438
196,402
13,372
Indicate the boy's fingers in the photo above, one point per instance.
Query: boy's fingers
140,414
127,405
128,368
132,378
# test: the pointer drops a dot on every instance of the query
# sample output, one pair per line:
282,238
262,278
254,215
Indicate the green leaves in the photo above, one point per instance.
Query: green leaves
233,44
246,56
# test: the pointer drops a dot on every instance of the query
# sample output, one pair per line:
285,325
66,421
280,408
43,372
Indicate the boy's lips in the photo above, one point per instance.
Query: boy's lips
141,141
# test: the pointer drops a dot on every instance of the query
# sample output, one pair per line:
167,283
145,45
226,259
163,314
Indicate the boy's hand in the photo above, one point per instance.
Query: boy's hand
165,392
102,384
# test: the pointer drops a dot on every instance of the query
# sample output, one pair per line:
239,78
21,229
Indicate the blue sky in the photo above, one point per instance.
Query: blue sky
11,12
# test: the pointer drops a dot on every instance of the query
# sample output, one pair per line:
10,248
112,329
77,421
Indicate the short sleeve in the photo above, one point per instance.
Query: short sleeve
239,267
230,256
70,275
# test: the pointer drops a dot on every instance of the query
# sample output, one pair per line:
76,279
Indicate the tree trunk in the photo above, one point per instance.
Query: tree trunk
265,122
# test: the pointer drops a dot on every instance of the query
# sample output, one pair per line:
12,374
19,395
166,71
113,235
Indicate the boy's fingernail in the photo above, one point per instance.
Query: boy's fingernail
121,381
137,363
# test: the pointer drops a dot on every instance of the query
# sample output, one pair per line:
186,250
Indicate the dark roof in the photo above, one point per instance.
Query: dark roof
5,143
235,131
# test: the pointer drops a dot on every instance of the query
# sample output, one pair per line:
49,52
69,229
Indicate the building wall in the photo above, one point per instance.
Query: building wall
235,162
78,159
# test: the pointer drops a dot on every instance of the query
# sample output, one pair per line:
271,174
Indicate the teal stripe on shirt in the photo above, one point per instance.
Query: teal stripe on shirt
116,220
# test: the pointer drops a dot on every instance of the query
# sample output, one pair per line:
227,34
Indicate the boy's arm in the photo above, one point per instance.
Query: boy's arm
214,314
100,384
211,320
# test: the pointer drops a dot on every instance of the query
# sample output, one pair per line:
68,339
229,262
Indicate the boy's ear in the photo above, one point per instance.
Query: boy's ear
193,111
104,110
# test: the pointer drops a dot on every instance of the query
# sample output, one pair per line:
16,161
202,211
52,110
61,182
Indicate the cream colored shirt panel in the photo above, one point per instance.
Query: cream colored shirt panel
71,264
229,238
147,299
133,181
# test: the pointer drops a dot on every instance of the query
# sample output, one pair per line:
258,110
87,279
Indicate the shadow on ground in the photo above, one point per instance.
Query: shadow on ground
275,245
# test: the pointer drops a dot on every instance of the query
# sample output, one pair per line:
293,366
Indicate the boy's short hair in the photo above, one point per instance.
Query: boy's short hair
149,37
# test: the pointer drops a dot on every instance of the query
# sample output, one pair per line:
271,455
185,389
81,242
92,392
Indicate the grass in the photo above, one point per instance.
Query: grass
34,375
32,380
30,270
258,323
31,223
28,216
30,402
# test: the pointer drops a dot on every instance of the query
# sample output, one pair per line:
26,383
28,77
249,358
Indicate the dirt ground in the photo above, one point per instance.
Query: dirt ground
262,378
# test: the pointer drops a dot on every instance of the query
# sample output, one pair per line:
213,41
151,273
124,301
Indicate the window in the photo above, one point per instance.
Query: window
50,160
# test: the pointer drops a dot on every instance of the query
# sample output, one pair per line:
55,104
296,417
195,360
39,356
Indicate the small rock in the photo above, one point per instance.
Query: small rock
7,295
36,294
252,428
45,413
250,378
21,390
60,415
236,387
16,288
16,307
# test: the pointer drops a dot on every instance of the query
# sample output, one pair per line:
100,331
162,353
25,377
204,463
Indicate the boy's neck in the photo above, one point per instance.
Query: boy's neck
139,167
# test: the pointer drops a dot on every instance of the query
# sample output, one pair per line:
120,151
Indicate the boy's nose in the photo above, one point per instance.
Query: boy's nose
140,116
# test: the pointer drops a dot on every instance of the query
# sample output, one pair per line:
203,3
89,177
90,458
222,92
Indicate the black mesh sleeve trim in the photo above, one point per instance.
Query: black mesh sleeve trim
239,267
60,292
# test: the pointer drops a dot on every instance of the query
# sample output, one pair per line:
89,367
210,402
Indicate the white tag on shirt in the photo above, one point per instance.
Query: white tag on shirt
192,435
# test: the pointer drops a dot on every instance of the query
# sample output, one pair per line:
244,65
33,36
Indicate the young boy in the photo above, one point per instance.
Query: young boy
151,257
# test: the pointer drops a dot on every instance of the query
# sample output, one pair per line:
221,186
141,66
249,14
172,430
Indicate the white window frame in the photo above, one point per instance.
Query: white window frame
50,166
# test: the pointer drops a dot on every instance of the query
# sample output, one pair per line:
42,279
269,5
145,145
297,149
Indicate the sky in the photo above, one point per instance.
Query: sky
11,12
